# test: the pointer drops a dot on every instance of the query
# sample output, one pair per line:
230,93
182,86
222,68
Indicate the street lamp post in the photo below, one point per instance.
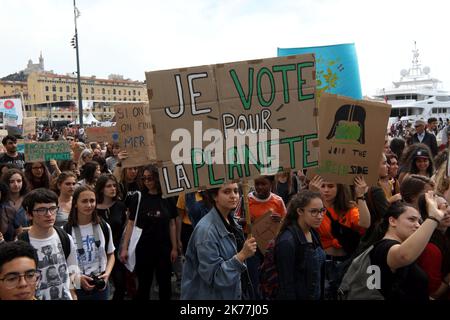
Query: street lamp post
76,14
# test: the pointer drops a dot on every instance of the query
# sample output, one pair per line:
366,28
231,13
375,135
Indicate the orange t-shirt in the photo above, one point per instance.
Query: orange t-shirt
259,207
350,219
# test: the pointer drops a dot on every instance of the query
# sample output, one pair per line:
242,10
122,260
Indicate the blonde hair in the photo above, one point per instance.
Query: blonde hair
441,179
83,154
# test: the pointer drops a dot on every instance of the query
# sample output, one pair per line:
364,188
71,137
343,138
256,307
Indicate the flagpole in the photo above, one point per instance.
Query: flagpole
76,14
246,190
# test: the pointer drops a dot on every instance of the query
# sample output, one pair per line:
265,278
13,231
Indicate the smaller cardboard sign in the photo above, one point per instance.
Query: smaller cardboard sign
29,126
351,138
3,133
45,151
135,134
102,134
265,229
10,120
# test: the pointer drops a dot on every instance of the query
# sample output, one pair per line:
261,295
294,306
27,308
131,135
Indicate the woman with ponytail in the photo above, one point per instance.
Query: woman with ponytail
300,259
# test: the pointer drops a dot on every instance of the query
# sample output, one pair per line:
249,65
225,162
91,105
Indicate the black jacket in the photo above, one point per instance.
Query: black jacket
430,140
300,265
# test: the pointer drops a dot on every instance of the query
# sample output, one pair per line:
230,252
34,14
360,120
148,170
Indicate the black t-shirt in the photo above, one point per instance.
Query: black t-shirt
283,190
233,228
124,189
154,218
18,161
116,216
407,283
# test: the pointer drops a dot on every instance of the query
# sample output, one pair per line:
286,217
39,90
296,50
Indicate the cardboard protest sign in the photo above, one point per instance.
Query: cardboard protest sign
102,134
265,229
12,109
44,151
351,138
3,133
135,130
29,126
233,121
10,120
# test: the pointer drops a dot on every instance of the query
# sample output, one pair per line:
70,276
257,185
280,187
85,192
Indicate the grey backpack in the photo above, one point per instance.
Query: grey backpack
356,284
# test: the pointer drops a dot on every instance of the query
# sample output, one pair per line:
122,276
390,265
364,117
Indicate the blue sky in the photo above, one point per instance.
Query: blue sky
134,36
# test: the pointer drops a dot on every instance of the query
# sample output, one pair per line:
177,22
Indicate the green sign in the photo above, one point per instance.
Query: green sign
44,151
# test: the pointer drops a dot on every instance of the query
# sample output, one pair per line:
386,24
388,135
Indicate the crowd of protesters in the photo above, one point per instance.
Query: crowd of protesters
66,227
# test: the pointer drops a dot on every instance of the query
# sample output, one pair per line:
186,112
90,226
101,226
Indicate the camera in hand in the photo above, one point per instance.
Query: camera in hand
99,283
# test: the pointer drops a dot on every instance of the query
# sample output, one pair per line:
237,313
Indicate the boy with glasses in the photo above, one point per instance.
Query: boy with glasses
18,274
54,247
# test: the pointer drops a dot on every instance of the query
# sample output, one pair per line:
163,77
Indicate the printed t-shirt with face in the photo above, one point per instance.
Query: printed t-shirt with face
93,260
54,267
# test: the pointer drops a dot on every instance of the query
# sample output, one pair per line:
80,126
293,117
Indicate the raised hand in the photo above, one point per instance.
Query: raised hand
360,186
316,183
432,206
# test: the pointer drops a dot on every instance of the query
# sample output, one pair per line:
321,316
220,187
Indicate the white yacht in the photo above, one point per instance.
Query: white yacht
416,95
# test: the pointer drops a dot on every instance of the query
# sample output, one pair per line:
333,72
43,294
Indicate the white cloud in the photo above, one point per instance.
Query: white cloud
136,36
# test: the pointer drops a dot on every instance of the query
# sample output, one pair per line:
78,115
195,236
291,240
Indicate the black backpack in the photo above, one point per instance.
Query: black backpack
349,239
63,237
103,226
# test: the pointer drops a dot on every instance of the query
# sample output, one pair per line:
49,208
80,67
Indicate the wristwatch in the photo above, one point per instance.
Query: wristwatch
363,198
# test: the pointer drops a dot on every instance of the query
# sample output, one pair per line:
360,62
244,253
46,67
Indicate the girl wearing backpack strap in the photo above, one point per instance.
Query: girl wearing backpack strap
114,212
299,257
64,187
403,239
95,249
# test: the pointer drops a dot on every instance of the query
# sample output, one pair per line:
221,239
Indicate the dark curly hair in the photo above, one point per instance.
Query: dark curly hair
299,201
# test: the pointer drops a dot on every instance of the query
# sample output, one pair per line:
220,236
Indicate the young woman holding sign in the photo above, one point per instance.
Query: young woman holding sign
217,252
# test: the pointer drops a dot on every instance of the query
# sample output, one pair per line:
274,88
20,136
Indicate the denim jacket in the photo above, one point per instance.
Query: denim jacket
300,265
211,270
